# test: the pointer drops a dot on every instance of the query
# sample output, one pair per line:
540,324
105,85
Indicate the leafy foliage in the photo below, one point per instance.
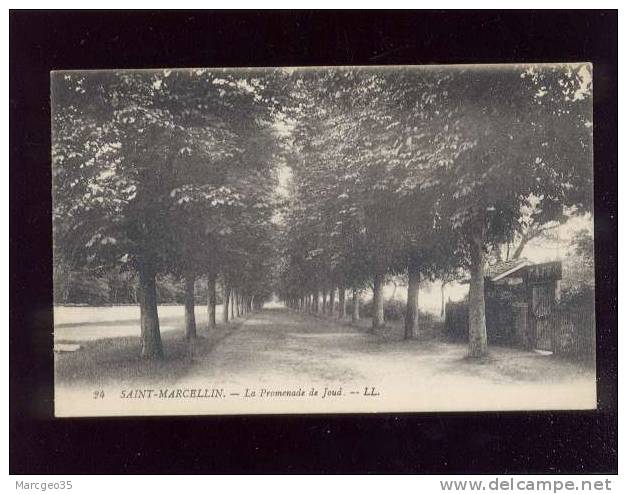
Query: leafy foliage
392,172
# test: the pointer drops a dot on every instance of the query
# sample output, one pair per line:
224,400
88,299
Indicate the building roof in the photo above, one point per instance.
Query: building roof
502,269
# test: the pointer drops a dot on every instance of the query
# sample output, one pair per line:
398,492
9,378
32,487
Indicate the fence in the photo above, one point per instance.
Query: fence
567,333
571,333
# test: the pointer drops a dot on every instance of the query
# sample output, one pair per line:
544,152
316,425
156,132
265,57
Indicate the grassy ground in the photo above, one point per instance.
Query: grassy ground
284,348
104,361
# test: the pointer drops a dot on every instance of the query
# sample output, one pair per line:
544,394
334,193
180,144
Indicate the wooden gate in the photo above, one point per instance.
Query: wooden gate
545,330
570,333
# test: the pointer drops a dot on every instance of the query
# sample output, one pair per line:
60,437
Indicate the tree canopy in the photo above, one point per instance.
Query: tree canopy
412,171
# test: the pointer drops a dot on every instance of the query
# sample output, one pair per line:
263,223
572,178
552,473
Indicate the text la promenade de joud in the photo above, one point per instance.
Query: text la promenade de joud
247,393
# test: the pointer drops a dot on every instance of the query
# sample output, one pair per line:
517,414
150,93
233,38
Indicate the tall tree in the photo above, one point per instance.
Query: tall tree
148,164
525,143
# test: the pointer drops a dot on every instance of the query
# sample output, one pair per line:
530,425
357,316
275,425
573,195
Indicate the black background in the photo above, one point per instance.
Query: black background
539,442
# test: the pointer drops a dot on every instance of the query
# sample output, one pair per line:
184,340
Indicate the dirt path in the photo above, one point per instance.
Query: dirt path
287,349
279,346
277,350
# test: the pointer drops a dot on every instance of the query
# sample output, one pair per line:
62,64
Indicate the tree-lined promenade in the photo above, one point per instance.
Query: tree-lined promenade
167,172
417,172
426,173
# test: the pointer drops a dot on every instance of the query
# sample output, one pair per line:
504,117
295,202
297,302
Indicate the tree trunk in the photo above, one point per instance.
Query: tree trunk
355,314
225,304
477,336
317,303
233,303
342,303
412,314
442,299
151,347
324,301
377,302
211,301
190,316
332,302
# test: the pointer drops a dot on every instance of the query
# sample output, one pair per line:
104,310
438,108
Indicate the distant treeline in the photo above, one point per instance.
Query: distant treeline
93,288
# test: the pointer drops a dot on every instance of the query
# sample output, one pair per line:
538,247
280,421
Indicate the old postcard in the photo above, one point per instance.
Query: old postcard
323,240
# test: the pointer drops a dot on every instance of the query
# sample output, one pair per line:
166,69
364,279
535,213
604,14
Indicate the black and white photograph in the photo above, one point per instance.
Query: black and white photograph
311,240
347,239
